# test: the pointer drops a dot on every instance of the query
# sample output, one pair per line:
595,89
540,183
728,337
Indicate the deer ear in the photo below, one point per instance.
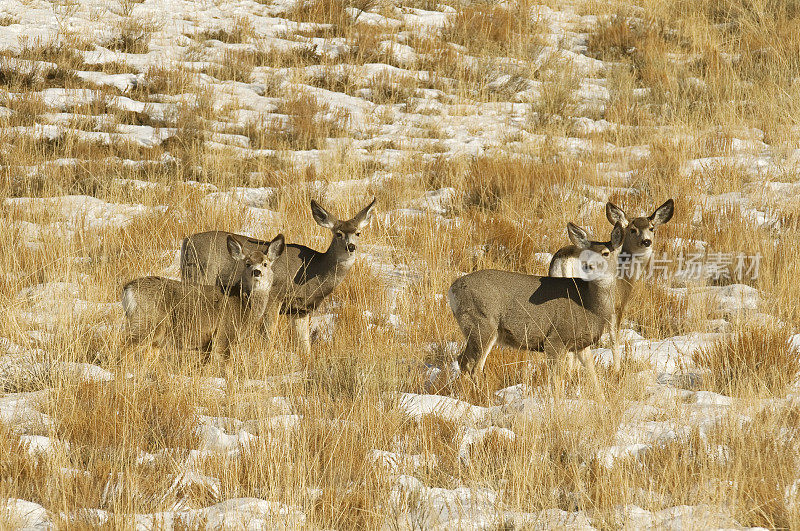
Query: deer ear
663,213
235,249
578,236
617,235
363,218
276,247
615,214
322,216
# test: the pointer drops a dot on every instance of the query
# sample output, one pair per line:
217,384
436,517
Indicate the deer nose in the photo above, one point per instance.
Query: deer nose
351,247
256,272
647,243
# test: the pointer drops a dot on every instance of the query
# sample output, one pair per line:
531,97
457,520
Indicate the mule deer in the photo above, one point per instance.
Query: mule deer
304,277
538,313
633,260
163,312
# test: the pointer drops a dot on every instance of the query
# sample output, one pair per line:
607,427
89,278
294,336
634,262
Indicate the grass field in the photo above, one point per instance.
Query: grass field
481,129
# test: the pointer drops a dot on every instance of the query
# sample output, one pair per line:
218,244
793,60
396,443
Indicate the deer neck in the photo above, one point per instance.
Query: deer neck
338,260
256,304
633,269
597,296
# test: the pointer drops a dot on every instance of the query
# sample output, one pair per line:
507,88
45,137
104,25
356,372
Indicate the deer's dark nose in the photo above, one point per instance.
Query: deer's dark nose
647,243
351,247
256,272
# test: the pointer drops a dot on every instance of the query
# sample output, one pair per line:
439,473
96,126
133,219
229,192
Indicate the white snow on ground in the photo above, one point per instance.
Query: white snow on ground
21,411
215,439
235,513
416,506
72,215
432,120
665,356
417,406
44,306
24,514
676,518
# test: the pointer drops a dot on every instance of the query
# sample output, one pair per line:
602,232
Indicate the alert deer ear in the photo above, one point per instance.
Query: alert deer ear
578,236
615,214
663,213
322,216
363,218
235,249
617,235
276,247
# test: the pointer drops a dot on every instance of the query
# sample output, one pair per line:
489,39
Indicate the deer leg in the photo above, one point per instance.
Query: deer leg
469,357
480,340
147,350
554,350
569,358
139,353
220,345
616,349
157,344
267,322
485,352
587,359
302,333
139,336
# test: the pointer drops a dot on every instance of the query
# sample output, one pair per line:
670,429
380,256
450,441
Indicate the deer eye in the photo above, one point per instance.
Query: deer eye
339,234
358,233
634,231
606,253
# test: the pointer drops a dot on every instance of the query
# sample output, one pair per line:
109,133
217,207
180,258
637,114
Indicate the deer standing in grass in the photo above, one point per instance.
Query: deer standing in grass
162,312
304,277
633,261
539,313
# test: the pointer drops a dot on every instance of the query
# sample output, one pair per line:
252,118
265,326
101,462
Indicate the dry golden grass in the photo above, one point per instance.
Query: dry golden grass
333,12
7,20
308,123
388,88
233,66
133,36
756,454
16,79
688,81
520,184
557,100
660,314
485,28
241,30
20,475
756,359
101,415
